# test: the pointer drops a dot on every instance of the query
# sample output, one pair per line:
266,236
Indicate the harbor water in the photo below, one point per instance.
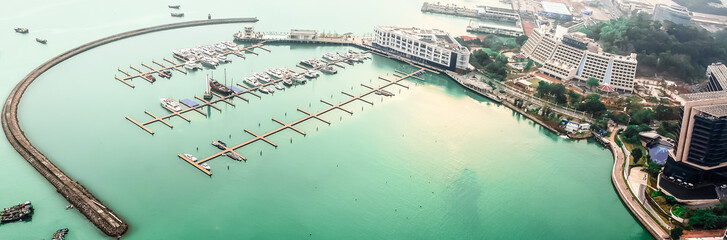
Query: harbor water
433,162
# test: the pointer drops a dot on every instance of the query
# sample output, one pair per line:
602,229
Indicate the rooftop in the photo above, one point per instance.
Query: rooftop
719,71
704,96
431,36
719,110
557,8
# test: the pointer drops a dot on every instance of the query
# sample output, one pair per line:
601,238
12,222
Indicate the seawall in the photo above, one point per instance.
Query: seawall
103,217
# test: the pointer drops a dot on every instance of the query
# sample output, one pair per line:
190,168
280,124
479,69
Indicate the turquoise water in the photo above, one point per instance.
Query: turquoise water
433,162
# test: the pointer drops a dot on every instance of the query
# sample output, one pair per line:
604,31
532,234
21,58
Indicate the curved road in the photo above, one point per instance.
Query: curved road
619,181
104,218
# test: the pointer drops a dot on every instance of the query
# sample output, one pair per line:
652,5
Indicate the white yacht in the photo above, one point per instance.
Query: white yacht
330,57
252,81
171,104
311,74
262,76
190,157
205,166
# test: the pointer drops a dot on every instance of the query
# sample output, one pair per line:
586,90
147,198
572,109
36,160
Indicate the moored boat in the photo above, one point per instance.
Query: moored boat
177,14
311,74
20,212
234,156
174,6
170,104
40,40
205,166
262,76
329,70
218,87
252,81
279,87
21,30
288,82
299,78
190,157
60,234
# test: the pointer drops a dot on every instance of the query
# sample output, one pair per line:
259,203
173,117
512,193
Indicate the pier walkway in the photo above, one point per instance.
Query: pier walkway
82,199
175,66
284,126
217,98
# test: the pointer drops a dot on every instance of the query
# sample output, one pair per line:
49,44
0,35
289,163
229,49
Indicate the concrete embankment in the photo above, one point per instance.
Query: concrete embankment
103,217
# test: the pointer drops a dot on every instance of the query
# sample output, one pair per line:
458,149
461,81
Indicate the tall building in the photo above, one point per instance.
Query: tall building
716,77
676,14
574,56
700,162
427,46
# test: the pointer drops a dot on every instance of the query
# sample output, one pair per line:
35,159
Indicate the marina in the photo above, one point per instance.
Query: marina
231,150
176,66
225,94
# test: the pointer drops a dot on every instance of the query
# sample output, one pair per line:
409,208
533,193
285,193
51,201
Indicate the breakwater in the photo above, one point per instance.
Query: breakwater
95,211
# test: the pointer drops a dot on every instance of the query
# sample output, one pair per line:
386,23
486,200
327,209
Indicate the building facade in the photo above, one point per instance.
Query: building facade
431,47
675,14
574,56
700,162
717,77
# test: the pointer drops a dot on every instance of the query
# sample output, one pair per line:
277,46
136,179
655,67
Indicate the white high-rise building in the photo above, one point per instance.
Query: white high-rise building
427,46
574,56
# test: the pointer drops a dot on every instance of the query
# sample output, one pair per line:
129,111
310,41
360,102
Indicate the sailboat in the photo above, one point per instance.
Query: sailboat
207,93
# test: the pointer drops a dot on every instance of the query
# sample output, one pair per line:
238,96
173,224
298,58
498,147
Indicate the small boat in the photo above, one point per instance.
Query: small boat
219,146
330,57
279,87
174,6
329,70
270,89
234,156
252,81
191,66
190,157
262,76
166,73
299,78
288,82
263,90
275,73
60,234
311,74
149,77
43,41
223,143
223,59
170,104
205,166
384,93
209,62
564,137
177,14
21,30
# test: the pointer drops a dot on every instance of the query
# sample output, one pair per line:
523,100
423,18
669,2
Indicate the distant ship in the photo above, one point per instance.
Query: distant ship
43,41
174,6
20,212
177,14
60,234
171,104
21,30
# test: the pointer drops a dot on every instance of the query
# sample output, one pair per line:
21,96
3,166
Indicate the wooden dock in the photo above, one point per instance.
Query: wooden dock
217,98
291,126
173,66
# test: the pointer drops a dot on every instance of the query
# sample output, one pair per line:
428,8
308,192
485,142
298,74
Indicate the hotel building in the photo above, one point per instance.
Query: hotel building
574,56
427,46
717,77
700,162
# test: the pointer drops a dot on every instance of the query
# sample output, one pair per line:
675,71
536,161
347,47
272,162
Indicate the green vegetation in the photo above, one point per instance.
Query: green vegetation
496,43
678,210
592,82
702,6
520,40
668,129
681,52
637,154
631,134
496,68
528,66
676,233
592,105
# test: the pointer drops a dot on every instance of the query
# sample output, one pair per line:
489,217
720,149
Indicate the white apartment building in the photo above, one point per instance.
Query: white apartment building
574,56
428,46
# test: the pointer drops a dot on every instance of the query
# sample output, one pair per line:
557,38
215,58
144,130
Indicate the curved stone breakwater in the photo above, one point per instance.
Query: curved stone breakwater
103,217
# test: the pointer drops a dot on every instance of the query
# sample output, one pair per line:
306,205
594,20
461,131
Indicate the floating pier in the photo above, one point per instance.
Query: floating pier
173,66
292,125
217,98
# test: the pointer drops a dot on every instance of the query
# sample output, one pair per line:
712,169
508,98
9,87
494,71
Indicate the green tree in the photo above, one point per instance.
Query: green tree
520,40
593,105
637,154
663,113
592,82
574,98
528,65
676,233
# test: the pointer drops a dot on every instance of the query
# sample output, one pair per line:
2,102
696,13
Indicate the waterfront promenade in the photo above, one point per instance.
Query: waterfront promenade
98,213
618,177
